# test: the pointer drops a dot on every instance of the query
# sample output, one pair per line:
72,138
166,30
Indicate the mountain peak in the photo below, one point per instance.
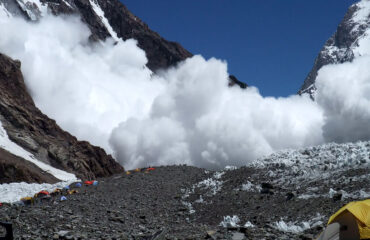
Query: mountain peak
348,42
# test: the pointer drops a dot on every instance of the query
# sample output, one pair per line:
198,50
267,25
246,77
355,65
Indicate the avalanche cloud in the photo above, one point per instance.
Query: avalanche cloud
187,114
344,95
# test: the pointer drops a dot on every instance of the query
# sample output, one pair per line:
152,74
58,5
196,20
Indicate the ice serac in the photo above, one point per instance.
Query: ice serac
39,135
347,43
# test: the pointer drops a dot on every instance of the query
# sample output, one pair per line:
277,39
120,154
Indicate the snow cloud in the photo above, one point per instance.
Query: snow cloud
88,89
103,93
200,121
344,95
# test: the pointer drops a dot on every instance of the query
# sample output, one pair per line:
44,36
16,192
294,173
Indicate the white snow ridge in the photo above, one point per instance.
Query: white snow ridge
104,20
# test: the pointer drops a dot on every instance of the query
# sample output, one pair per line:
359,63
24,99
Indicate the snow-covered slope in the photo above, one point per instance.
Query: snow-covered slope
351,39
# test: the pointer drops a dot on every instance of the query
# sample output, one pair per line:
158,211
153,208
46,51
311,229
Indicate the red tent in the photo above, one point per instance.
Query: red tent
89,182
43,193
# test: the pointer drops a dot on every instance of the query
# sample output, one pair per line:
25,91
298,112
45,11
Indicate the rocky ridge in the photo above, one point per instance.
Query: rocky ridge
344,45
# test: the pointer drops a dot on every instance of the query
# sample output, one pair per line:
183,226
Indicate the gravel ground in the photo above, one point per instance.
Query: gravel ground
174,202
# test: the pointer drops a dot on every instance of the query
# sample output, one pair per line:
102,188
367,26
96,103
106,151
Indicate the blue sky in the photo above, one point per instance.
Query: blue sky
271,44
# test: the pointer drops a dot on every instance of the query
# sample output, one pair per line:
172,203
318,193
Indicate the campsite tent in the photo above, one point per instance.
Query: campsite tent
353,220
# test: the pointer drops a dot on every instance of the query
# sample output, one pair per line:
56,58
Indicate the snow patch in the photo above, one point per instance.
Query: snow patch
13,192
291,227
104,20
248,224
188,205
230,168
250,187
233,221
363,12
213,184
230,221
13,148
67,3
332,192
298,227
200,200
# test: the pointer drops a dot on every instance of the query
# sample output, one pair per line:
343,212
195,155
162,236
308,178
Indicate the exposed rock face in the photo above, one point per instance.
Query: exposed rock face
233,80
16,169
344,45
27,126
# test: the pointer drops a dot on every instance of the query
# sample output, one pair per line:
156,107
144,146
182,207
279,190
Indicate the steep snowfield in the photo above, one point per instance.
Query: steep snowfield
13,148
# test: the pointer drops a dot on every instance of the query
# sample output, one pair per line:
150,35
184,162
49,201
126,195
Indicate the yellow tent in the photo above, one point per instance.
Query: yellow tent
354,220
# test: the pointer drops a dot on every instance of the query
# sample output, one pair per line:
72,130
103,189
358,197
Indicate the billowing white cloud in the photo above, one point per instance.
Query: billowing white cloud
344,94
88,89
200,121
187,114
